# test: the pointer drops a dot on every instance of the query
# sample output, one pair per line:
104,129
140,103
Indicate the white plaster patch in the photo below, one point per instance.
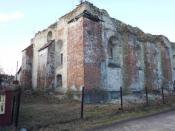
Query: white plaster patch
114,76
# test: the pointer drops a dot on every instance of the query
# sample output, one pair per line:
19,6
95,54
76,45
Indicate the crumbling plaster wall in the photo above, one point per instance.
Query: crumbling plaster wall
38,41
146,59
50,79
129,70
93,53
140,56
46,67
61,48
26,72
138,59
152,61
51,57
167,67
111,76
133,67
42,68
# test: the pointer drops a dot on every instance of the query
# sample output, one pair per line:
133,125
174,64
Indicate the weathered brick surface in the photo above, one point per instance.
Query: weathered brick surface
42,69
138,59
85,53
26,73
166,64
129,66
50,76
133,63
93,53
150,66
75,69
26,81
46,67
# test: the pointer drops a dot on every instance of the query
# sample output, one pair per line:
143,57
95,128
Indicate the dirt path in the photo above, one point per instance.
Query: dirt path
161,122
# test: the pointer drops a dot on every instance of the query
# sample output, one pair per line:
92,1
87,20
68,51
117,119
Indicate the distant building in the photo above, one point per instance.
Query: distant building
87,47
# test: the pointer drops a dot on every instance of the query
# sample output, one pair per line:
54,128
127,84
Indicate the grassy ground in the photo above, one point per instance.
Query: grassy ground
46,113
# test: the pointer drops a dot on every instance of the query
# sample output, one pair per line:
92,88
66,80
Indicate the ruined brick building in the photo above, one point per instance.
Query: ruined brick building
87,47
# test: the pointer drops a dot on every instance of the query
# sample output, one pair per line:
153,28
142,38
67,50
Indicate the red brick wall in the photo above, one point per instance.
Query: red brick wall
131,55
75,71
166,64
93,53
85,53
150,67
130,73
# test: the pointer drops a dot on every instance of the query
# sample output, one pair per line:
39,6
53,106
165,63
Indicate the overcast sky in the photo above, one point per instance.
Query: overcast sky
21,19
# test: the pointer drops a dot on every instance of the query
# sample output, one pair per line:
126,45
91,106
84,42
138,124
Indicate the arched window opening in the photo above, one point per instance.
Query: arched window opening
114,52
59,45
59,81
111,47
49,36
110,51
139,56
59,53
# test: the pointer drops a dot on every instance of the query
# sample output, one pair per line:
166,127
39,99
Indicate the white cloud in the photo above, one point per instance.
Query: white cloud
7,17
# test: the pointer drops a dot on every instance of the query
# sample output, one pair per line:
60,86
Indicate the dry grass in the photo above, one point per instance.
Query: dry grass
47,113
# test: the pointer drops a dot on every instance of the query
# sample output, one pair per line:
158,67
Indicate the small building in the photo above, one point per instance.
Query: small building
9,105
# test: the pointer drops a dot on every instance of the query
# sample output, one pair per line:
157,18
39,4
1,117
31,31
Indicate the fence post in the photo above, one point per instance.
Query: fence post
82,103
163,97
174,85
18,107
146,91
121,98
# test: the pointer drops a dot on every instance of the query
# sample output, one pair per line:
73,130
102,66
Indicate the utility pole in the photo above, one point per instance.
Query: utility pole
82,103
